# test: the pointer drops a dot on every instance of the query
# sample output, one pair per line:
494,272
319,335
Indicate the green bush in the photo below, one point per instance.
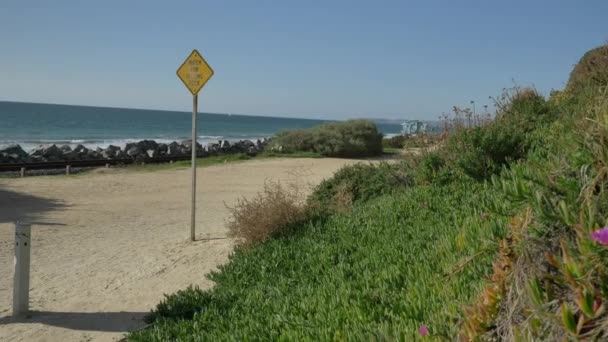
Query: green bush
398,141
483,151
524,110
432,168
360,182
353,138
404,141
294,141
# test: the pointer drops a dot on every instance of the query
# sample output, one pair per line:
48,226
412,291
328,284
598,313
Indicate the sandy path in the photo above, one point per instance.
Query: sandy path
107,245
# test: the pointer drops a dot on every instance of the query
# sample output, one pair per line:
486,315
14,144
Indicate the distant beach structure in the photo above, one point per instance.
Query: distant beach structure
413,127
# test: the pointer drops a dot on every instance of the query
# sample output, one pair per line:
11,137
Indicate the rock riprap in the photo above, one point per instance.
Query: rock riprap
141,150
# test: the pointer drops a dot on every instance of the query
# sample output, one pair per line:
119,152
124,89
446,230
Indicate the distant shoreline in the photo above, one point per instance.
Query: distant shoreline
33,124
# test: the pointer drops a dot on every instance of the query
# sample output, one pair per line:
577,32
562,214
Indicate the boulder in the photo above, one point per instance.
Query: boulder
146,145
65,148
151,153
82,152
202,152
213,148
94,154
105,154
70,155
14,158
188,145
37,152
130,146
120,154
133,151
140,149
15,150
176,150
247,143
113,149
224,146
252,151
80,148
162,149
52,153
243,146
110,152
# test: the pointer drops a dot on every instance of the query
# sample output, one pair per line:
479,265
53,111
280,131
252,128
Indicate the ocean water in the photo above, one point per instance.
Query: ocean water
34,124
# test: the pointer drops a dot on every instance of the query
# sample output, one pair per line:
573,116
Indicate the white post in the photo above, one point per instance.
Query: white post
22,172
21,285
67,169
193,208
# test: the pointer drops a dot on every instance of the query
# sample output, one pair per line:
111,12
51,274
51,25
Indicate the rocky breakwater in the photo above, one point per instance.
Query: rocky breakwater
137,151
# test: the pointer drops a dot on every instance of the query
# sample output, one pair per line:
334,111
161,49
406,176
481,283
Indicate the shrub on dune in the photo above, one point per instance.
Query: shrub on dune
271,212
349,139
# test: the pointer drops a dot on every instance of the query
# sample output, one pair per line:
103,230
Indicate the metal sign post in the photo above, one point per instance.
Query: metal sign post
194,72
193,207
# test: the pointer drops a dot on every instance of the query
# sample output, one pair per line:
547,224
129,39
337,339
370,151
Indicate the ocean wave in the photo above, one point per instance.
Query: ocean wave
210,136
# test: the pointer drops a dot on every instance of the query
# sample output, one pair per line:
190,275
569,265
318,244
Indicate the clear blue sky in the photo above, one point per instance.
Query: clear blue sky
319,59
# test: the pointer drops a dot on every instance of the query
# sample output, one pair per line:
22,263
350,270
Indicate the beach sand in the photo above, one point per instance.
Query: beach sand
106,245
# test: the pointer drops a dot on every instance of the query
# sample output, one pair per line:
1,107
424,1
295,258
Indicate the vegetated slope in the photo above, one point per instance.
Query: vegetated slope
488,237
386,269
551,283
590,71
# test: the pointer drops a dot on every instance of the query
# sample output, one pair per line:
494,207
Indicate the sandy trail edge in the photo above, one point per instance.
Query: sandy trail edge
107,245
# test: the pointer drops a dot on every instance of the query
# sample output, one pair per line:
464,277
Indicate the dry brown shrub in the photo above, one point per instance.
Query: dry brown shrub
271,211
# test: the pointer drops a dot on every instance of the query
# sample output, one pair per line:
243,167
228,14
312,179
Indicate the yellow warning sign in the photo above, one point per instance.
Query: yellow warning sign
195,72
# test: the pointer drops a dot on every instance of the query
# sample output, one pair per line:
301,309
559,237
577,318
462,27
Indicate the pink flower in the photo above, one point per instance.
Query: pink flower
484,216
601,236
423,330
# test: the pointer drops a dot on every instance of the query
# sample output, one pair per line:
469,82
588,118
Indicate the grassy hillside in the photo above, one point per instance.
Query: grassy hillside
385,269
495,235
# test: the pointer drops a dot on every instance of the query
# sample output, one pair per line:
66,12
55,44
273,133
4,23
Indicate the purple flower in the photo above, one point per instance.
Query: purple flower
601,236
423,330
